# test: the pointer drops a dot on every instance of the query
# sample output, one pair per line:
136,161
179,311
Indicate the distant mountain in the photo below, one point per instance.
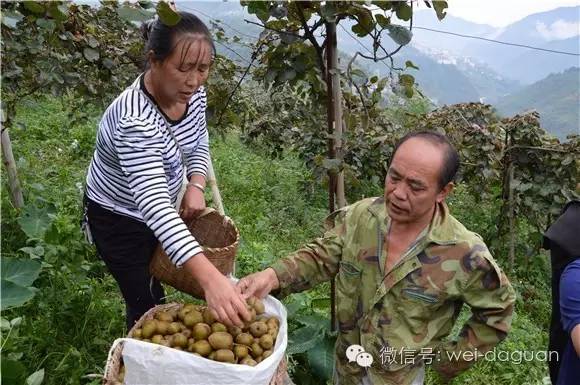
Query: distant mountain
443,42
531,66
556,98
545,29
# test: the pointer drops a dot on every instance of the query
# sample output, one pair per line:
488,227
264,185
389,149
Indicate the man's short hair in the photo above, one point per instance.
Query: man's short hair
450,157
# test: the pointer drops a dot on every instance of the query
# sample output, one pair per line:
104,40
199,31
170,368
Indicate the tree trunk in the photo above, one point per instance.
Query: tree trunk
8,159
331,115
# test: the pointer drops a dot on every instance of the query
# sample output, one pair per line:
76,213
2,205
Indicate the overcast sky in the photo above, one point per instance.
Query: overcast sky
500,13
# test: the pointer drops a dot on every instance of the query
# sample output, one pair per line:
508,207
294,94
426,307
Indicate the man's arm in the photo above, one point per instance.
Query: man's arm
314,263
491,298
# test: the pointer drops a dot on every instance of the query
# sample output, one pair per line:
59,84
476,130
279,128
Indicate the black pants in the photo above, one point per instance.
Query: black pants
126,246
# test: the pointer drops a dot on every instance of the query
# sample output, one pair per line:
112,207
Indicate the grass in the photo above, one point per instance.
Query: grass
77,312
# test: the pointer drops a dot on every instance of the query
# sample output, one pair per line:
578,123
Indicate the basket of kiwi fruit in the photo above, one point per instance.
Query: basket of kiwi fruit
193,328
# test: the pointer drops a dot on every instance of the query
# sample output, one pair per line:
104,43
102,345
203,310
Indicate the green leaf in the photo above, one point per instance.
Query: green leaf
287,75
406,80
302,340
11,18
22,272
46,24
34,7
332,164
410,64
321,303
13,372
321,358
34,221
359,30
91,54
14,295
400,34
167,15
35,378
314,321
440,7
404,11
374,79
382,20
131,13
58,11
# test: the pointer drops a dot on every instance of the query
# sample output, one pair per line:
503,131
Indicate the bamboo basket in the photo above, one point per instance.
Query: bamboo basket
219,238
113,367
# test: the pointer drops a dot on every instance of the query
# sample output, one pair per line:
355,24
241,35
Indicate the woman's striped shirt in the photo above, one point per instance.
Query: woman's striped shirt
137,167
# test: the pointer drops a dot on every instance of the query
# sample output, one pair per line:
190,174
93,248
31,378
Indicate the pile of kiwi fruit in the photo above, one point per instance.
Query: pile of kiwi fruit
193,328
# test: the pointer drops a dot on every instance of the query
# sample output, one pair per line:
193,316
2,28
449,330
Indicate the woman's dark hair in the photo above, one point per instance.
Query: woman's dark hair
161,38
450,157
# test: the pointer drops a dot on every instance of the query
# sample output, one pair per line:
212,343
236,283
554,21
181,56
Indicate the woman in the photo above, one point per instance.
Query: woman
145,137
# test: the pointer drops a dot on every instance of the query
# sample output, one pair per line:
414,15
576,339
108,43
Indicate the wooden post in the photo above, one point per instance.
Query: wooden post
215,191
512,253
334,117
8,159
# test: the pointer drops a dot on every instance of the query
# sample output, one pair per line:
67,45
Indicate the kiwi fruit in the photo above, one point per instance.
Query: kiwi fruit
220,340
192,318
241,351
201,331
162,327
248,361
259,306
149,328
208,317
179,340
256,350
194,329
173,328
164,316
258,329
225,355
266,341
244,339
218,327
202,347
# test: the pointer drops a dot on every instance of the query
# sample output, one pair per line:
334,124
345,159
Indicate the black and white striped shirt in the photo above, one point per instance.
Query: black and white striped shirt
137,167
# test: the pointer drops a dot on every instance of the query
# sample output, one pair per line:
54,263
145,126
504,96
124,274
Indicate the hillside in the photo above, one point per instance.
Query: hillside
556,98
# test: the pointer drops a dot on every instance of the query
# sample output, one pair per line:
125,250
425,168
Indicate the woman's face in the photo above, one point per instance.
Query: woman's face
181,74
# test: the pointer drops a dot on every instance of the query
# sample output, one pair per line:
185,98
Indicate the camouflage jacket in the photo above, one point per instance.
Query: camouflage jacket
402,318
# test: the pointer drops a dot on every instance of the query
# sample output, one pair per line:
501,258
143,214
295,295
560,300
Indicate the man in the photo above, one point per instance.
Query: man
404,267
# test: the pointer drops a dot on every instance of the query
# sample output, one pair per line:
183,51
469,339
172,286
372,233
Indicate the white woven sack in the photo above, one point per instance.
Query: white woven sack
151,364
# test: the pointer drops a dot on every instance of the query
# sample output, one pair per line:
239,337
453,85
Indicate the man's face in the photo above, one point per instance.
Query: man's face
411,185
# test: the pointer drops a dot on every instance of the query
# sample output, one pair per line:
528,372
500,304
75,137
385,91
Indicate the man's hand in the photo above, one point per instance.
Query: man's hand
193,203
259,284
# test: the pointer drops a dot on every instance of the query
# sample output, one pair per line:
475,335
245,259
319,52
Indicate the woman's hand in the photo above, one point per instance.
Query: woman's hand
258,284
192,204
225,301
222,296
